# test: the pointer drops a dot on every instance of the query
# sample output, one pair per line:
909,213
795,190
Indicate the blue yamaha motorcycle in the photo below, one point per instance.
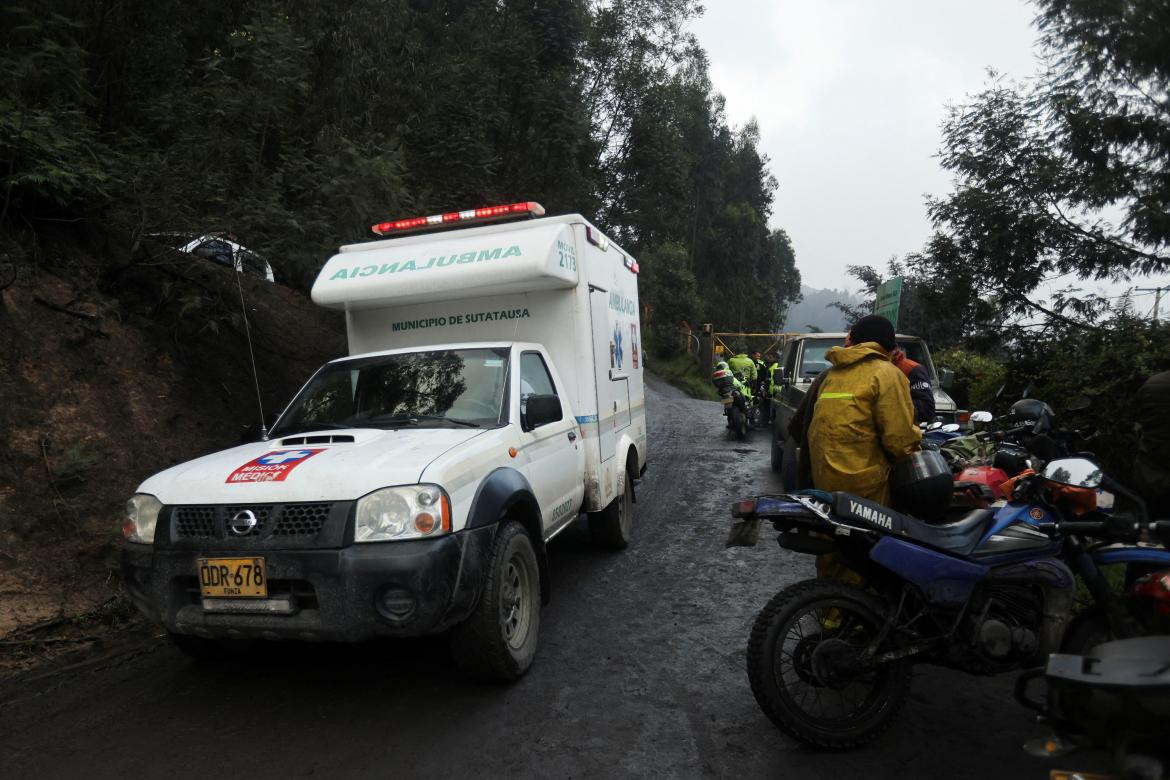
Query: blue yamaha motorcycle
830,662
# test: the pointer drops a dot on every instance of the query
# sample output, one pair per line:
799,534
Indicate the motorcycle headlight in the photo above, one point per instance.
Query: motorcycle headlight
407,512
141,517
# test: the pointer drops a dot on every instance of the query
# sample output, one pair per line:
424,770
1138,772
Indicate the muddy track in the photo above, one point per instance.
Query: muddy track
640,674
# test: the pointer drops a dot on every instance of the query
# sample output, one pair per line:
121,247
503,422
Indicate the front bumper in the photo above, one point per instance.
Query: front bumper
400,589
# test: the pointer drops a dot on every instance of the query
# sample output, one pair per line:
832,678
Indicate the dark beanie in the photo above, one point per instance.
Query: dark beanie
874,328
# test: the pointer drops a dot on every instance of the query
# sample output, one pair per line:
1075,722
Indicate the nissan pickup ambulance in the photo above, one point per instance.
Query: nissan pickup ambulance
493,392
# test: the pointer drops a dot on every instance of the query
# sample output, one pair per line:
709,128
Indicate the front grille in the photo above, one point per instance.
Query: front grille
277,525
196,522
302,519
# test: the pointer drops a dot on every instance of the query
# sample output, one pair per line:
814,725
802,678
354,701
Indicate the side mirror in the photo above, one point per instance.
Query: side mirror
950,428
981,417
946,379
540,410
1075,472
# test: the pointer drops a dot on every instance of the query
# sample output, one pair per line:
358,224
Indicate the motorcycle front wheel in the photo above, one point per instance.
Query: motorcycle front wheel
802,663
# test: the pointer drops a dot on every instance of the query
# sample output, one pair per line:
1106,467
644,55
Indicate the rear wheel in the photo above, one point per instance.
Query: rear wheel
805,670
498,641
741,424
613,527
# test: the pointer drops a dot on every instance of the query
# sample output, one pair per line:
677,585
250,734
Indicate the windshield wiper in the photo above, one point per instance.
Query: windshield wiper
413,419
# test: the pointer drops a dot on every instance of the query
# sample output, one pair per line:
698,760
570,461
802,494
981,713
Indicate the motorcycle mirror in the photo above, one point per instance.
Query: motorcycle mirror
1074,472
950,428
981,417
934,426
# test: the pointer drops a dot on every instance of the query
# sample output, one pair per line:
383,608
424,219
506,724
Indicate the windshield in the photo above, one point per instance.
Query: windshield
443,388
812,359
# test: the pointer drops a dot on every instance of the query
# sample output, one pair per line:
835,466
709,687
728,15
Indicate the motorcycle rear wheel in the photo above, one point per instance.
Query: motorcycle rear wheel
798,655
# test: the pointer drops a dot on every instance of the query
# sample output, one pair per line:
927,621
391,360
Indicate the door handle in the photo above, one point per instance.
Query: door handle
572,436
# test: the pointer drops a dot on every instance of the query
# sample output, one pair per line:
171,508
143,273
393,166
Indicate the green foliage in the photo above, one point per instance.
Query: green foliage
1041,166
296,124
669,296
682,371
1108,365
50,155
977,377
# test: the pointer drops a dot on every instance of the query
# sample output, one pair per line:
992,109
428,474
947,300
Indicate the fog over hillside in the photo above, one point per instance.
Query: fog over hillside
815,310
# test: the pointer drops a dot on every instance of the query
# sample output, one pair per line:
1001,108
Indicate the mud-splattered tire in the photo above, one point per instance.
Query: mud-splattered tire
613,527
498,642
766,664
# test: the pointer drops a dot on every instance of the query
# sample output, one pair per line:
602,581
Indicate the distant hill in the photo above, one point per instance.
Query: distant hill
815,310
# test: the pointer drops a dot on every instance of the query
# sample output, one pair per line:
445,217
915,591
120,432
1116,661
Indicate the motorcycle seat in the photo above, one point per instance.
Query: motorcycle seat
959,537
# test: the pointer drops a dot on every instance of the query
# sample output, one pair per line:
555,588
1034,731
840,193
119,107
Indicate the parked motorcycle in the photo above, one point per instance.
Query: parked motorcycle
740,405
830,662
1114,698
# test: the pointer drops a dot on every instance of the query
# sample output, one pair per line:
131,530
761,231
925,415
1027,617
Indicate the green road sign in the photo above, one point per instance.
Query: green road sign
889,297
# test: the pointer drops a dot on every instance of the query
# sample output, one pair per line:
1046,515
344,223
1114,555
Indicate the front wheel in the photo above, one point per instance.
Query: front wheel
498,641
806,672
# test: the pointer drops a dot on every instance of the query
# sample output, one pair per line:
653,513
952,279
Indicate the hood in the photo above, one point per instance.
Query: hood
269,471
847,356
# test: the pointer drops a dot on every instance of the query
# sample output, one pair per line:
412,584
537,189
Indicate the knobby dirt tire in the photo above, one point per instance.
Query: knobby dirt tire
480,645
789,603
613,527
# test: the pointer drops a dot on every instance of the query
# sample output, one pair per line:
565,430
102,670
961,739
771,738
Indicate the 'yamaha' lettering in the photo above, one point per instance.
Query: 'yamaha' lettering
871,515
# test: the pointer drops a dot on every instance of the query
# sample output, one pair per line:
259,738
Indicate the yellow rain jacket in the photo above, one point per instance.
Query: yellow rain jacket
862,422
742,364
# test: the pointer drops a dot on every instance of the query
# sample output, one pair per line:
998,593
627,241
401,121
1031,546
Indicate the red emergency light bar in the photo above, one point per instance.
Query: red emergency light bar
485,214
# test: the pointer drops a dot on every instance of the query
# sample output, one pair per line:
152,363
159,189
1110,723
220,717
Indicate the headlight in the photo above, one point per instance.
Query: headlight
408,512
141,517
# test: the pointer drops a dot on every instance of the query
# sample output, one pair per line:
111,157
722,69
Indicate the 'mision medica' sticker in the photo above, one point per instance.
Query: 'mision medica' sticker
272,467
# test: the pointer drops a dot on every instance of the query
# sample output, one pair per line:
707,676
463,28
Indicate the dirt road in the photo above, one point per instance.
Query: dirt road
640,674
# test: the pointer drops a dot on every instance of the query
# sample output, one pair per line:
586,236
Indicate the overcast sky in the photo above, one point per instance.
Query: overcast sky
850,95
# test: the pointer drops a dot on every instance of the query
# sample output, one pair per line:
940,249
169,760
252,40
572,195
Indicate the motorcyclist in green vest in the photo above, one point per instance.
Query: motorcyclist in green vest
744,366
771,389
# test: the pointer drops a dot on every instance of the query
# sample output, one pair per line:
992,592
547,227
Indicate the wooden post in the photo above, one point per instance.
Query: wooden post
706,354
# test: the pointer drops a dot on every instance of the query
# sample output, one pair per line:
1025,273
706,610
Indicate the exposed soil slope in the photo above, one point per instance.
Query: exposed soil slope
106,381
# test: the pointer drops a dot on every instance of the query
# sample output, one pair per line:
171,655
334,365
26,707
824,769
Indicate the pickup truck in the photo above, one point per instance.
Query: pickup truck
493,393
803,358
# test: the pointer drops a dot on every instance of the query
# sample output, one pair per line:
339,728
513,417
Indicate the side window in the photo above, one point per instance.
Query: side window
534,378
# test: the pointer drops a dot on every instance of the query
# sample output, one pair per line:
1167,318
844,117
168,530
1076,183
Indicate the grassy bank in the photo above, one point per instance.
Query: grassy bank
682,371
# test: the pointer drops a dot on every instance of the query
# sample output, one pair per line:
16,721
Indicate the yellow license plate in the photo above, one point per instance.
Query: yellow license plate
1059,774
727,402
232,578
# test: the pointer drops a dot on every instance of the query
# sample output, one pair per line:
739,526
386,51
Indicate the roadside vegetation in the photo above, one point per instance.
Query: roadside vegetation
682,371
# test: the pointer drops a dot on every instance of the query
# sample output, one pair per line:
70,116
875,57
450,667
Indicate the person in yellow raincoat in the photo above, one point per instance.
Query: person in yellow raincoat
862,421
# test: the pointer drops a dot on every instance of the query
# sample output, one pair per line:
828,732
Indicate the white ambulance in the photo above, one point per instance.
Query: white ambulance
493,393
